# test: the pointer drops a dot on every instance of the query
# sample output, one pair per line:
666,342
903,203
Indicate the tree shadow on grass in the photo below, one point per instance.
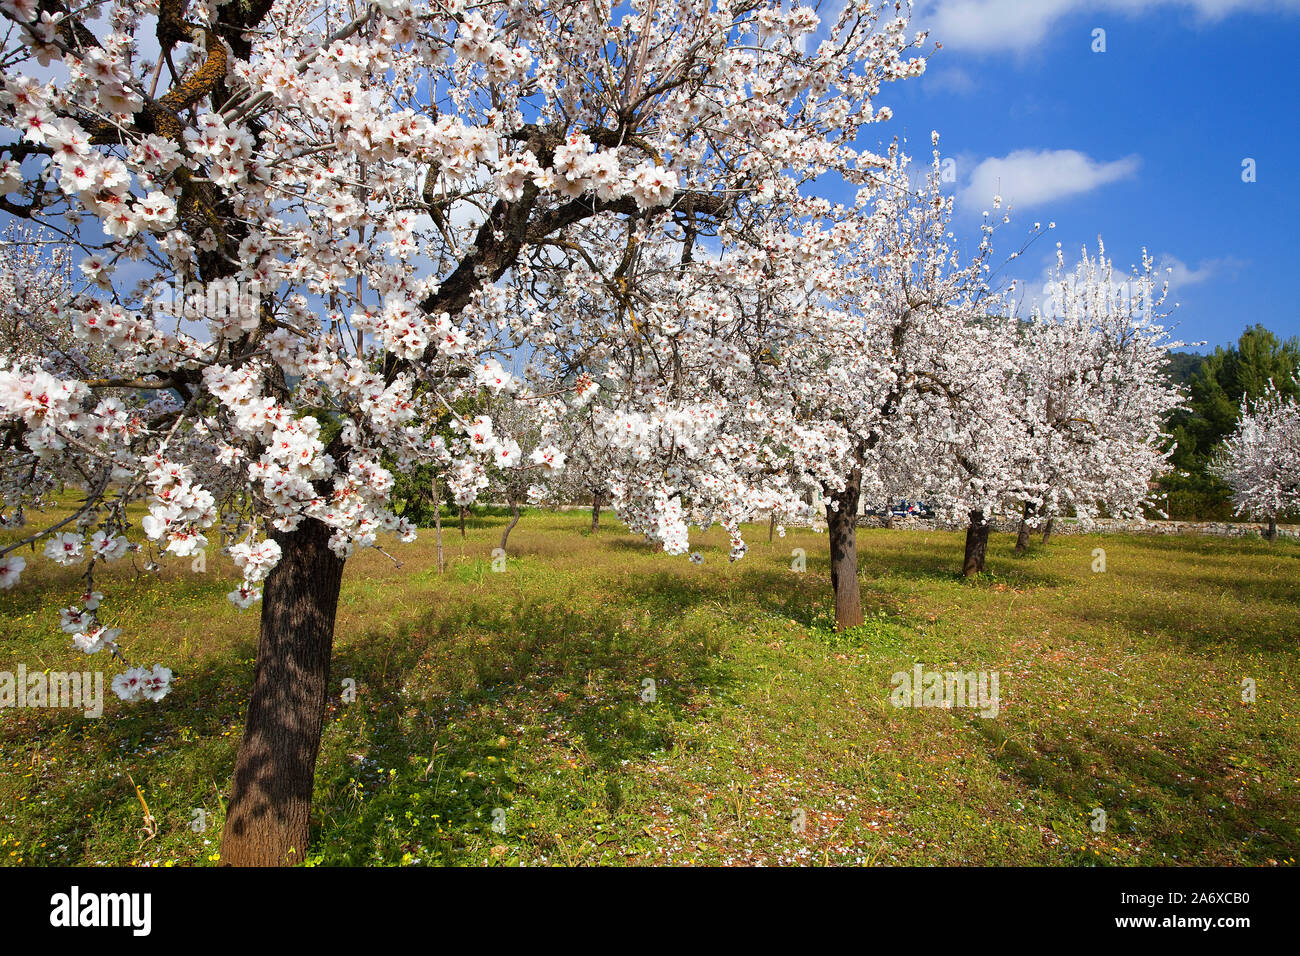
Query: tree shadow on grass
449,707
940,561
179,751
1282,593
1198,635
629,542
1177,590
1216,565
1182,808
448,685
756,591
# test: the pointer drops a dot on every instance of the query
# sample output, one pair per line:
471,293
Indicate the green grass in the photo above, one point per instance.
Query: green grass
522,692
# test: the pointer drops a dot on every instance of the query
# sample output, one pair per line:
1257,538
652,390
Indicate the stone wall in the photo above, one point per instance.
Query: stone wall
1223,529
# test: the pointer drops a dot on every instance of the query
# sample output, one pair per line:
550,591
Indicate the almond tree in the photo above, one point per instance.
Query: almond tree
1095,401
36,286
1260,460
911,353
972,449
798,357
1076,424
511,475
303,227
587,459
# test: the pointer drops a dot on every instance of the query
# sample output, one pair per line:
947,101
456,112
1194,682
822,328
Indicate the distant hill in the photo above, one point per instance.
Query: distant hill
1184,365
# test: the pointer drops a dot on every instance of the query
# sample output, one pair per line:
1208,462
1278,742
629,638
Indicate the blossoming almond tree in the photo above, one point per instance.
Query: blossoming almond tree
787,362
36,282
901,334
1094,361
1260,460
382,198
904,334
513,476
35,296
586,459
1076,423
968,454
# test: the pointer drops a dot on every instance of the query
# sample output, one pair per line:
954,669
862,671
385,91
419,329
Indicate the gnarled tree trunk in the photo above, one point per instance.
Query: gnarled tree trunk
595,512
270,800
514,520
977,544
1022,534
1271,534
1047,530
842,524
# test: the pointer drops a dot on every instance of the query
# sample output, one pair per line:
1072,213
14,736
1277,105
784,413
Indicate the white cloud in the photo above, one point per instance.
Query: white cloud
1028,177
986,26
989,25
951,80
1180,275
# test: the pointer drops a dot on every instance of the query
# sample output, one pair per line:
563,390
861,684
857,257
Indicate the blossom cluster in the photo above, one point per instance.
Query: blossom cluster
1260,460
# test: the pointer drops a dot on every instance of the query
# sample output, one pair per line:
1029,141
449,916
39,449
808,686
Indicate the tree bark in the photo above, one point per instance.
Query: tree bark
1047,530
514,520
842,522
270,800
1022,534
595,512
462,521
1271,534
977,543
771,527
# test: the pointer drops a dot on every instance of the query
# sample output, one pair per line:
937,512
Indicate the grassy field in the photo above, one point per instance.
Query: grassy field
516,698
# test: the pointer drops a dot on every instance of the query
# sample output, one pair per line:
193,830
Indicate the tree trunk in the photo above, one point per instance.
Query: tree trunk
595,512
1271,534
462,521
1047,530
977,544
270,799
1022,534
437,526
771,527
843,527
514,520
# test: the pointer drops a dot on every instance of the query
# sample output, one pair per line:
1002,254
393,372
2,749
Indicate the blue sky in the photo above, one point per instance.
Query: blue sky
1142,144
